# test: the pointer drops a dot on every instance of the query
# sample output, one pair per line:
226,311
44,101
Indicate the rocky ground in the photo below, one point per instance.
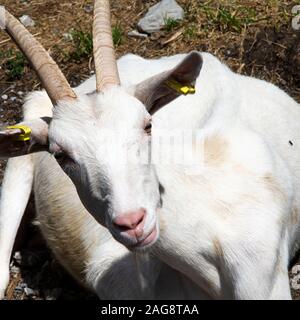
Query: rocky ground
253,37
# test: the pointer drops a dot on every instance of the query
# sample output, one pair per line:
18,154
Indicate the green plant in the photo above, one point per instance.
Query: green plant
229,18
190,31
171,24
248,15
117,35
14,64
83,42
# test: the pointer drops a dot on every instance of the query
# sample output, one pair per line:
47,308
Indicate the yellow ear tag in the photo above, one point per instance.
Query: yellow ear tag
25,136
178,87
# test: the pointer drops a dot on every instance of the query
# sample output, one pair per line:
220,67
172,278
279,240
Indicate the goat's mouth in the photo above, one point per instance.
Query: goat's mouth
150,239
147,241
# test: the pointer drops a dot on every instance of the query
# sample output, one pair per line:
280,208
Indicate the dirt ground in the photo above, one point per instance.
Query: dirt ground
253,37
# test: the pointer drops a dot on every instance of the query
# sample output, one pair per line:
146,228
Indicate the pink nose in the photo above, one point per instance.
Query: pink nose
131,222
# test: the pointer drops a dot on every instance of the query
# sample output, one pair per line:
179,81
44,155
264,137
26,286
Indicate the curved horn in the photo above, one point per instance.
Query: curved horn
49,73
104,53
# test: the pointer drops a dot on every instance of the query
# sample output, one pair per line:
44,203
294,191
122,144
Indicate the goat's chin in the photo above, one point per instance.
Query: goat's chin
147,243
151,237
143,249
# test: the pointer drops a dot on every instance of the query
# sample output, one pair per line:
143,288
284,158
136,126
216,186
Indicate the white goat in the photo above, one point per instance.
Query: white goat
99,261
231,229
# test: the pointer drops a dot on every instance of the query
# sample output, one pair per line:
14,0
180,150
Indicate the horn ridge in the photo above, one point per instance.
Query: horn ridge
104,54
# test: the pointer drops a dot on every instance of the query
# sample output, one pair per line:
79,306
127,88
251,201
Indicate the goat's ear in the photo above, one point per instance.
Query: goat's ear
24,138
163,88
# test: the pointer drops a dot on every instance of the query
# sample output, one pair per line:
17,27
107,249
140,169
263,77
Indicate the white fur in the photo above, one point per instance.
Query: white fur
229,231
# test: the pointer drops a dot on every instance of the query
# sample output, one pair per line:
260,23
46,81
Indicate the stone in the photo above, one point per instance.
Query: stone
89,8
18,257
156,16
29,292
23,285
135,33
68,36
15,269
18,289
296,269
27,21
4,97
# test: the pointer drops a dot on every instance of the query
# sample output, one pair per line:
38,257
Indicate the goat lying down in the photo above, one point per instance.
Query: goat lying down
130,231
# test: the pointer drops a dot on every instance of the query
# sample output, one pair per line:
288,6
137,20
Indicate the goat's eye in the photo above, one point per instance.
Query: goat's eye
148,128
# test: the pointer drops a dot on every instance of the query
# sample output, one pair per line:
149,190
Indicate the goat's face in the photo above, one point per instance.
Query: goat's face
97,138
97,141
103,143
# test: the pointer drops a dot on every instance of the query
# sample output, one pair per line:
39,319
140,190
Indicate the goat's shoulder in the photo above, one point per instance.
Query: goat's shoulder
246,156
241,191
238,172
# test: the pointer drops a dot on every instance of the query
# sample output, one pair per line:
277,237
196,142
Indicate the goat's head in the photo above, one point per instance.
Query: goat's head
87,132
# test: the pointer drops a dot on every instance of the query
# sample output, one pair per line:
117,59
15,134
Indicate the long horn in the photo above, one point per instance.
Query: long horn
104,54
49,73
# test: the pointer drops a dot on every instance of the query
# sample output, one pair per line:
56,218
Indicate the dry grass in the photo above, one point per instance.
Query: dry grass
213,26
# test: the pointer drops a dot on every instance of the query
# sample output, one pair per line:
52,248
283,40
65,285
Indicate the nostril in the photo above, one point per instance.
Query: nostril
129,221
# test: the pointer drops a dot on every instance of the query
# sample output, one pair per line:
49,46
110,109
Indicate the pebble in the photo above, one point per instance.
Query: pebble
29,292
4,97
18,257
20,93
23,285
68,36
27,21
296,270
156,16
89,8
15,269
135,33
18,289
